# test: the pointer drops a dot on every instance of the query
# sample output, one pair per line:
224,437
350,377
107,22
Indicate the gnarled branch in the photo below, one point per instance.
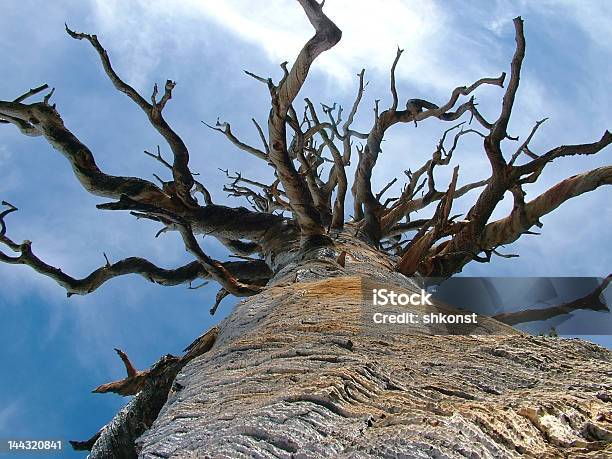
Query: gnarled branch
590,302
415,253
180,168
226,129
253,272
304,210
521,219
365,203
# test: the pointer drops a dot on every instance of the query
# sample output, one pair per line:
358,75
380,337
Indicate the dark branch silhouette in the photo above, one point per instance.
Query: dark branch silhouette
591,302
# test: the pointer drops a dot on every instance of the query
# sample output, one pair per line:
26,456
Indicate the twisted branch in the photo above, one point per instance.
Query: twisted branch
180,169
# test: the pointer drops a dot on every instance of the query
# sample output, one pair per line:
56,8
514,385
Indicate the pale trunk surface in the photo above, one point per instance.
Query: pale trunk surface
293,373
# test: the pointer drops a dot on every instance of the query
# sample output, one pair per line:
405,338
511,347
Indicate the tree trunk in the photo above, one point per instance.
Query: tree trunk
298,371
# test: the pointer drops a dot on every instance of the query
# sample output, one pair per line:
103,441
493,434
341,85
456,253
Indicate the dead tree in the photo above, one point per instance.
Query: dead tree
290,371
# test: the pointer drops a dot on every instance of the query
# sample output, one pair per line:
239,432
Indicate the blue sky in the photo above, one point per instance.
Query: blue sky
58,349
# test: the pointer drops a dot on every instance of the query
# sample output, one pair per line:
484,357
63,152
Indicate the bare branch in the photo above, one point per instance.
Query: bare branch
266,81
133,265
415,107
346,137
225,128
216,270
509,229
381,193
326,36
393,88
198,186
416,110
241,248
309,164
51,126
221,294
415,252
85,445
347,132
498,133
151,388
564,150
337,221
255,272
30,93
159,158
304,210
401,228
591,302
3,214
215,220
130,385
129,368
268,202
524,148
261,135
24,126
440,157
453,255
180,169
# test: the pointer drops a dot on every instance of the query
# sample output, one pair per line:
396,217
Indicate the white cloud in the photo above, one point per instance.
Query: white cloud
591,16
5,156
371,35
10,177
8,413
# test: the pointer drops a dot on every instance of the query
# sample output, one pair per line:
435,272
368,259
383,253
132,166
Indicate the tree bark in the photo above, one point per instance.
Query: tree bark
296,371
